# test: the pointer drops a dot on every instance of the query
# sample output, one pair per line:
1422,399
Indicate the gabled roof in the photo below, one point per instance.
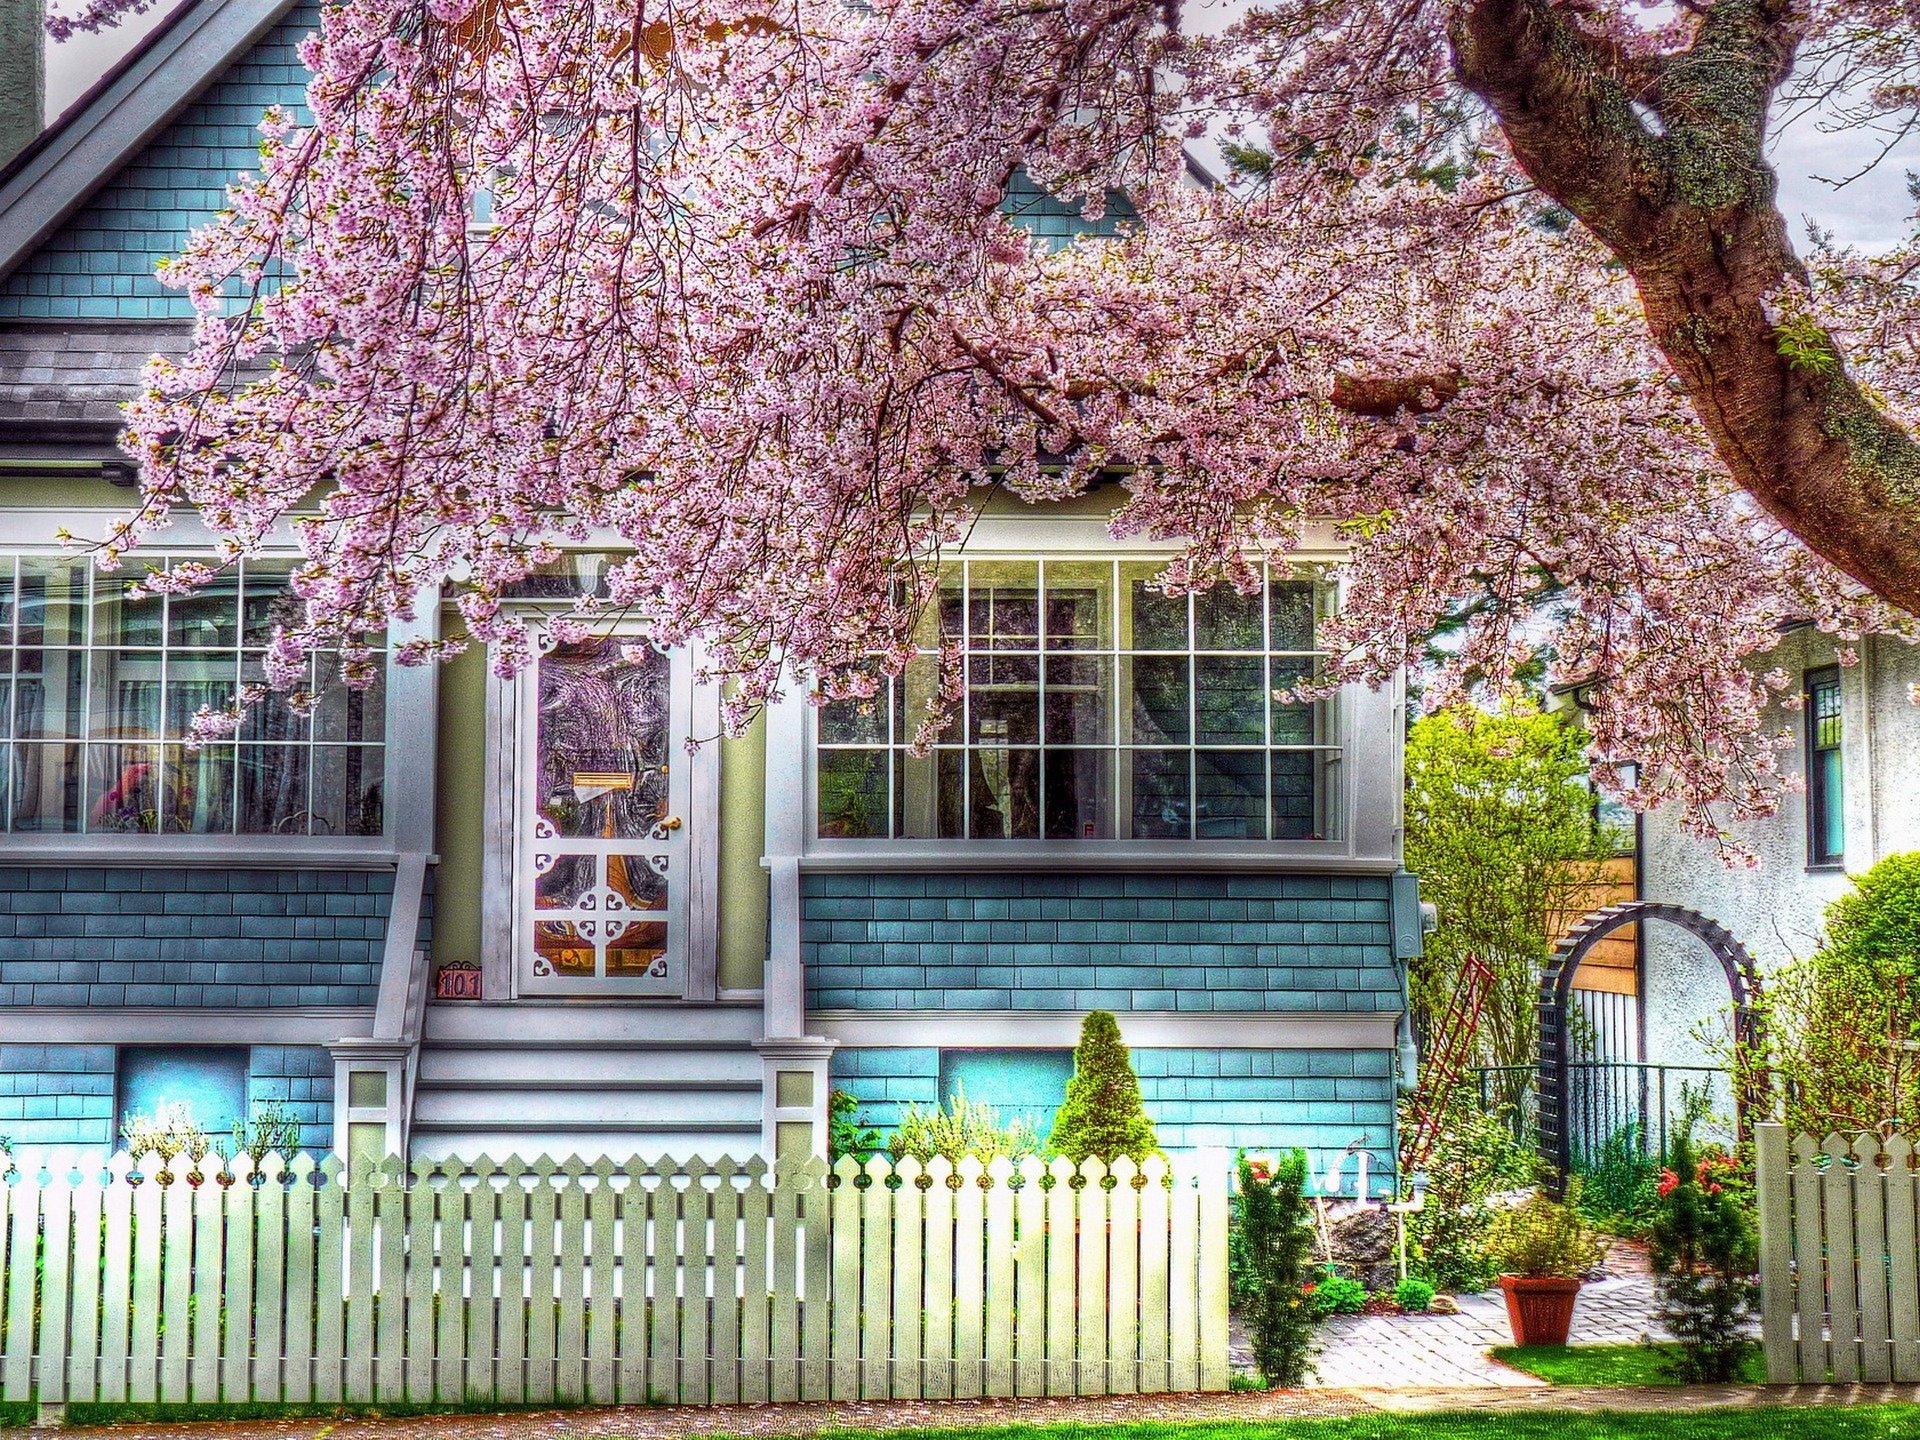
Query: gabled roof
56,174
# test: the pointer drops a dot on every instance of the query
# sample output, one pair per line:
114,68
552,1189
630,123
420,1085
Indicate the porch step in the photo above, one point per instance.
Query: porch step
529,1078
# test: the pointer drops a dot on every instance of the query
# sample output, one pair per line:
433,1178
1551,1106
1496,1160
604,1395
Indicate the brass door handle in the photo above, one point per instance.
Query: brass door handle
672,822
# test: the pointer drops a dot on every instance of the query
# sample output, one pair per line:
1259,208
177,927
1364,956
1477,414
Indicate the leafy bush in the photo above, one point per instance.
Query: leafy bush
1475,1156
961,1128
1413,1295
1844,1025
1269,1250
1543,1237
1335,1294
1705,1254
1102,1114
1617,1182
169,1132
845,1134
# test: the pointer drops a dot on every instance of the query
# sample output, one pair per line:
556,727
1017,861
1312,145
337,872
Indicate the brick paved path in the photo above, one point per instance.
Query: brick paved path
1450,1351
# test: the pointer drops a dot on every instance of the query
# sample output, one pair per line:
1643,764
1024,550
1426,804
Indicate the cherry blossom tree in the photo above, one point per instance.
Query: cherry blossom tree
1502,293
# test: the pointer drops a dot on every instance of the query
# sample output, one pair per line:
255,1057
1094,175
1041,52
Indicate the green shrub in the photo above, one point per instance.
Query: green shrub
1542,1237
1413,1295
1844,1024
1335,1294
845,1134
1474,1156
961,1128
1102,1114
1617,1182
1269,1249
1705,1254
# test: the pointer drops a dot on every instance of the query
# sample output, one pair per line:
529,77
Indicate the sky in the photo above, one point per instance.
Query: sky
1873,212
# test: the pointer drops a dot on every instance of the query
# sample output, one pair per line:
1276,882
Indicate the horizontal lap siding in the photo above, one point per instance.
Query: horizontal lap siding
1271,943
1319,1100
202,938
63,1095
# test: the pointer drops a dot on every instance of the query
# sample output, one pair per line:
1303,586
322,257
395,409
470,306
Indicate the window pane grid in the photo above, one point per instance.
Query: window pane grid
101,693
1096,707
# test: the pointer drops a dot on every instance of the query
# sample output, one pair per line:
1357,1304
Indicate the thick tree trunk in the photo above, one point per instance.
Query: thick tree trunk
1686,202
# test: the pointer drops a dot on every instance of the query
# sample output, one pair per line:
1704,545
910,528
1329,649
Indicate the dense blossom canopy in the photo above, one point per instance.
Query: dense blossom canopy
730,282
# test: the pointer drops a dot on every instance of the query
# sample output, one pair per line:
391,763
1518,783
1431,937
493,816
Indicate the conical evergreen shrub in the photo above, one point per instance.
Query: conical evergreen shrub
1102,1114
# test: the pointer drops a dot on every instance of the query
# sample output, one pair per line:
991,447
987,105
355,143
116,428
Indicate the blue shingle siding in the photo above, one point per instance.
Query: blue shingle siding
57,1094
1115,942
99,264
174,936
300,1079
1320,1100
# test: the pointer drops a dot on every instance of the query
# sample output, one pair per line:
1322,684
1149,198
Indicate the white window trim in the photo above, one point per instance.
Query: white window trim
693,912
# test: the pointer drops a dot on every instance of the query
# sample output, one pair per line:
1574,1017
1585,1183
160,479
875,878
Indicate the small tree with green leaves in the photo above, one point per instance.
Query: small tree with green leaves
1501,832
1273,1250
1705,1255
1102,1114
1843,1025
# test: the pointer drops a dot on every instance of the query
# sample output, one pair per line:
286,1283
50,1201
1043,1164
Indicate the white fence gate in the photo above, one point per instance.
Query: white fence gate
1839,1257
523,1283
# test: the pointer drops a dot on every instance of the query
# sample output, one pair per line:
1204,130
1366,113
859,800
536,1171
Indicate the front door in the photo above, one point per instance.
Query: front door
601,867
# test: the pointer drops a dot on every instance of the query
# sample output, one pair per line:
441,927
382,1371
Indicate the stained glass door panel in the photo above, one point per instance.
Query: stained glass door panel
603,847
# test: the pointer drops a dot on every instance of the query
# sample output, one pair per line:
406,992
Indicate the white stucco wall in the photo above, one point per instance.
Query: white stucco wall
1776,910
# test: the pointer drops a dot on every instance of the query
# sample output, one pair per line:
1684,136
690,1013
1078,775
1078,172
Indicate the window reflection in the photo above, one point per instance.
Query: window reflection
1097,707
100,690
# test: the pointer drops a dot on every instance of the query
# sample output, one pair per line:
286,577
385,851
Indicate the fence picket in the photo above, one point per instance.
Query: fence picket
116,1279
241,1230
419,1198
56,1288
1809,1262
1123,1271
269,1299
816,1314
1843,1302
570,1319
1183,1337
451,1288
1090,1304
1870,1230
1903,1283
484,1375
969,1280
89,1258
1030,1282
937,1305
756,1290
1155,1199
724,1345
908,1301
684,1283
603,1300
330,1262
176,1294
543,1264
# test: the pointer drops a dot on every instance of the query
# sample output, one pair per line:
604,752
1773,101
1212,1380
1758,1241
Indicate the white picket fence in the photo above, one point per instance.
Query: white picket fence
1839,1257
522,1283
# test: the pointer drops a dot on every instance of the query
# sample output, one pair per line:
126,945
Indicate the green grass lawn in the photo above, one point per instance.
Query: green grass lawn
1603,1364
1864,1422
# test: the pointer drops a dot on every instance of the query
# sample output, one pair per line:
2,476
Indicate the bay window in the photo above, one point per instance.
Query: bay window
1097,707
98,694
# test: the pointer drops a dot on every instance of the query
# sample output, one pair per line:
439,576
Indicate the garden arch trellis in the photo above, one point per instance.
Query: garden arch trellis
1556,987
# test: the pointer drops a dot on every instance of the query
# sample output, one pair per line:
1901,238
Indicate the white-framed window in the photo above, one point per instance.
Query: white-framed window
1096,708
602,856
99,692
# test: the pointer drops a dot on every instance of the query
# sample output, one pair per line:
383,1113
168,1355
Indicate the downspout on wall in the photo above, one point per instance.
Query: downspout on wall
23,74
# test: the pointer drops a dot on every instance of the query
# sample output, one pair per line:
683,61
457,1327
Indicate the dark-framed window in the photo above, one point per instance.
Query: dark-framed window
1826,806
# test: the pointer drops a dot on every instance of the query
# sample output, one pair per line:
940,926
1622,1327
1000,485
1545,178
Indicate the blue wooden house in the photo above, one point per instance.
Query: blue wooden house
455,913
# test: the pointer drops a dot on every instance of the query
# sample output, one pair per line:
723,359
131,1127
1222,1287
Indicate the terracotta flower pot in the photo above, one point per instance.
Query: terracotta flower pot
1540,1307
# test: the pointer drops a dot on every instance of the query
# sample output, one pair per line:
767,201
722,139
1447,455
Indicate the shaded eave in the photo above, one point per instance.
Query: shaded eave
106,127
